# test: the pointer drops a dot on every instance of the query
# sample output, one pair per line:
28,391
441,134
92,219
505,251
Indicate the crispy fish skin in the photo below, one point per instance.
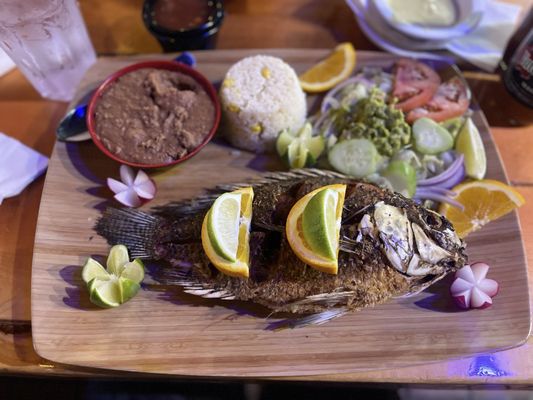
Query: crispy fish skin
279,280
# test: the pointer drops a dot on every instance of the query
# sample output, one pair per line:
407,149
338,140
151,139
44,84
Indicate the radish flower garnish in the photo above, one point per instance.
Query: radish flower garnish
134,190
471,288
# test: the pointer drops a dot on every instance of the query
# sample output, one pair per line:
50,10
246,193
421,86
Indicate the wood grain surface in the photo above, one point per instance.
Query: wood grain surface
166,331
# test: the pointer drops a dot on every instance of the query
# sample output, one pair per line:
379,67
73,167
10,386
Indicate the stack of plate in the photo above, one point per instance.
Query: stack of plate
377,22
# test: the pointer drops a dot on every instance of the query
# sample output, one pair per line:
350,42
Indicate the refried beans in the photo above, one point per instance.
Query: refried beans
153,116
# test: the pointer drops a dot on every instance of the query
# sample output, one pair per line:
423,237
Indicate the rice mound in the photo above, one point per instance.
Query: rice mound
261,96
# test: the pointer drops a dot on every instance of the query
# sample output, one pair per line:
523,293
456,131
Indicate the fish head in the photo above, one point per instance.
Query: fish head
417,242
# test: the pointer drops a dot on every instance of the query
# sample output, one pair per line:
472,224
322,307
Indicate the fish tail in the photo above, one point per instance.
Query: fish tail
133,228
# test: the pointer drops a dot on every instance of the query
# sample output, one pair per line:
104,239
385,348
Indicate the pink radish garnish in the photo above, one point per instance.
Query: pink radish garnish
471,289
134,190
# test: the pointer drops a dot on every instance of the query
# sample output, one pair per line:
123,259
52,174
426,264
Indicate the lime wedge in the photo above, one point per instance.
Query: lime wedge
319,223
283,142
469,143
223,225
118,256
105,294
315,145
129,288
297,155
133,271
113,292
301,149
93,269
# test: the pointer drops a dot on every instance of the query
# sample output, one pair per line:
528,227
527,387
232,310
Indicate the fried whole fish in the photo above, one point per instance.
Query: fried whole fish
390,247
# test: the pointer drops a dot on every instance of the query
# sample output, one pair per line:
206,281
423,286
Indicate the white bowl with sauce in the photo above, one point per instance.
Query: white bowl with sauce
432,19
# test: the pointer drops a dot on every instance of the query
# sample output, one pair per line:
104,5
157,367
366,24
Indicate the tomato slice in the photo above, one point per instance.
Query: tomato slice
415,84
451,100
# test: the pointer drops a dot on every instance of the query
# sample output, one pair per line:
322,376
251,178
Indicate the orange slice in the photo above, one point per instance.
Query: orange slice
484,201
239,267
307,251
334,69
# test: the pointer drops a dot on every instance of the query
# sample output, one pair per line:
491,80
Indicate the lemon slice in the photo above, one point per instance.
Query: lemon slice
470,144
233,260
331,71
484,201
313,227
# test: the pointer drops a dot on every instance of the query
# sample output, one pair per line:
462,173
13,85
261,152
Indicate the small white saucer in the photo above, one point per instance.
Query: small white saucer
469,14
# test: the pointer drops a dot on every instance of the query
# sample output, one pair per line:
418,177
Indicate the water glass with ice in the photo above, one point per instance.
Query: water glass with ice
48,41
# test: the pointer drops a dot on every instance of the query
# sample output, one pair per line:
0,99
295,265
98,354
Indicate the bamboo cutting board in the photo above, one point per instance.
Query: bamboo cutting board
166,331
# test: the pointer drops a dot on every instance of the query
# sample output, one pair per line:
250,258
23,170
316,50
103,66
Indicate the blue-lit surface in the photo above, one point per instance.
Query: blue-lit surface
81,111
486,365
186,58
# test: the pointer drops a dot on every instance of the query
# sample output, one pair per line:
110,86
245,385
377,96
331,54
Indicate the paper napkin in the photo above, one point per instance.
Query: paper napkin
19,166
5,63
484,46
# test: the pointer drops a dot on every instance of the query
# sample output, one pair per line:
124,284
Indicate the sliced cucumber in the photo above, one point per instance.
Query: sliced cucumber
430,137
300,150
355,157
402,177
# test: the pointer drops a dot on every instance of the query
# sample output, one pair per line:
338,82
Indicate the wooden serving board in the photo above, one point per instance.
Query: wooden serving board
169,332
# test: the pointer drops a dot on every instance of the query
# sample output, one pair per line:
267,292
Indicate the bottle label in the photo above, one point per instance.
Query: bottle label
519,77
525,63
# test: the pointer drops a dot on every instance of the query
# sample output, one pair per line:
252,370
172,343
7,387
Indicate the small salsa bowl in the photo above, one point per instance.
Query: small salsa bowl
166,65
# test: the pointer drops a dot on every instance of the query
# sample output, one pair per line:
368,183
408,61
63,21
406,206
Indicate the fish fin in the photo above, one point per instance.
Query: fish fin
186,207
417,288
183,279
313,319
132,228
210,293
202,203
324,299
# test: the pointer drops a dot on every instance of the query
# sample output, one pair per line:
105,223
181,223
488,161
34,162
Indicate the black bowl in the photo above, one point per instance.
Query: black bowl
199,37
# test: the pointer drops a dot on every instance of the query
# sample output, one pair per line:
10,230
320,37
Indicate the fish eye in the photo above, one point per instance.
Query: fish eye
432,219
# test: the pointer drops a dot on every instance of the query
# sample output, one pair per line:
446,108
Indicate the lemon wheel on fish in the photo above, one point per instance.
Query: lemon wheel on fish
226,231
313,227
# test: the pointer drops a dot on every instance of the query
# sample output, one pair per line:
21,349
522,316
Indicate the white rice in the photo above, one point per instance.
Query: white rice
261,96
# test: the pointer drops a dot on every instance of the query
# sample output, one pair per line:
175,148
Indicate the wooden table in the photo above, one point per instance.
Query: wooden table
116,28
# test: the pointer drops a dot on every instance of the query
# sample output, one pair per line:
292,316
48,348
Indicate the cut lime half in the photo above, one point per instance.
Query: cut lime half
223,225
319,223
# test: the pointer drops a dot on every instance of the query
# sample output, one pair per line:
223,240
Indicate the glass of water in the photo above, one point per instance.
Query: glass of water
48,41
